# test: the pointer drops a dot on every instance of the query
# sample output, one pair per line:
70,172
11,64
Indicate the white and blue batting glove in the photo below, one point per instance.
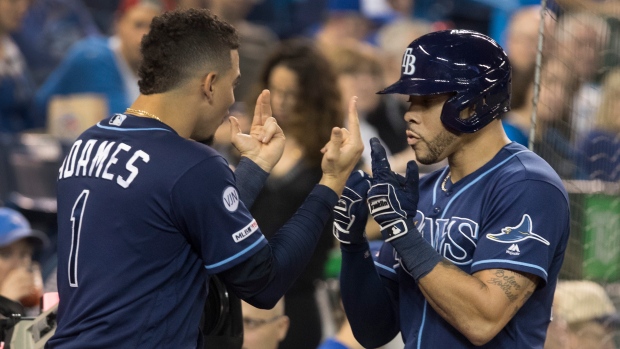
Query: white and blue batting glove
392,198
351,212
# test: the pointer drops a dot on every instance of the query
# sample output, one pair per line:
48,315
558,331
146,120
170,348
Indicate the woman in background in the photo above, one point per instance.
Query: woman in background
601,147
16,83
306,103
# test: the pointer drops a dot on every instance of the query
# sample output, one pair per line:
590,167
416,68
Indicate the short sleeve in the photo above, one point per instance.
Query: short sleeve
526,224
208,210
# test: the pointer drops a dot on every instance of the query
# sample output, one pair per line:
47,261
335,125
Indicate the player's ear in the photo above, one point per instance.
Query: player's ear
468,112
208,85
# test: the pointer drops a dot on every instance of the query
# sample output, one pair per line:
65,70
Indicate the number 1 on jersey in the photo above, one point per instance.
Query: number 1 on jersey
76,219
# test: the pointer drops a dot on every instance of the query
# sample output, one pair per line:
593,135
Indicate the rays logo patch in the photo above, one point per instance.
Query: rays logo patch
521,232
230,197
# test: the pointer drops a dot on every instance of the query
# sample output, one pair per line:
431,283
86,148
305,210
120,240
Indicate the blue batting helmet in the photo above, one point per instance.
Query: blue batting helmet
469,64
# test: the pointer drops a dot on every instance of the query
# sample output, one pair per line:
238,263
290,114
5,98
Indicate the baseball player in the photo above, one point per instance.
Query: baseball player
146,212
474,261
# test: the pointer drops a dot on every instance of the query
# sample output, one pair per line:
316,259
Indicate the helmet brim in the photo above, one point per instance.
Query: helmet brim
419,87
396,87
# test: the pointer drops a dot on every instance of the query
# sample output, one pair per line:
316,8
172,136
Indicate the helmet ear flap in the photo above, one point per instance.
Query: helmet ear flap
451,113
487,106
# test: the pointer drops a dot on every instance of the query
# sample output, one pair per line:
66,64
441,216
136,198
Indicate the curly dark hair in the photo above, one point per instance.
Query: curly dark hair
180,44
319,107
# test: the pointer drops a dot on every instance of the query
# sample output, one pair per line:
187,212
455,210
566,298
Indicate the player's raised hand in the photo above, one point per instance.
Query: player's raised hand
342,152
351,211
265,143
392,199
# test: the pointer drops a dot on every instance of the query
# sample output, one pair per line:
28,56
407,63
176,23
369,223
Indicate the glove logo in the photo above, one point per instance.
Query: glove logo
379,205
395,231
408,62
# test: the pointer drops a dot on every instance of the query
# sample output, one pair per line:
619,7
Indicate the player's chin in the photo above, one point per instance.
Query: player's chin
423,157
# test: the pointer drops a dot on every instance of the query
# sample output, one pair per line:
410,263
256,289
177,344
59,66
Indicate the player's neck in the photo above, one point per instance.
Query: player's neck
476,150
170,108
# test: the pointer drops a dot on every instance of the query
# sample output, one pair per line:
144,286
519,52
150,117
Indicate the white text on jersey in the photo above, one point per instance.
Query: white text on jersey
79,162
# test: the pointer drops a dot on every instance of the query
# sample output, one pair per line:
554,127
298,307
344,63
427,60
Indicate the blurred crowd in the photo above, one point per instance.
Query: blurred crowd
65,64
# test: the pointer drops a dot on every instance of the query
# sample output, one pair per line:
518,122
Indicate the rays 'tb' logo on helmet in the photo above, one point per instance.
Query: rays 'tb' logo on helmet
468,64
408,63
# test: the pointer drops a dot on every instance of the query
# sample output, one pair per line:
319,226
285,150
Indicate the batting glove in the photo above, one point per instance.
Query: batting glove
351,212
392,199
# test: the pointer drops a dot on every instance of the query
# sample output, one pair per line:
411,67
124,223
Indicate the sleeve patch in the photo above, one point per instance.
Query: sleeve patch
245,231
520,232
231,199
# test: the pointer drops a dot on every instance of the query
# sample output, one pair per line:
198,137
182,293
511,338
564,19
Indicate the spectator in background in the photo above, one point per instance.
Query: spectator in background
522,37
360,73
344,21
255,41
20,279
601,147
522,48
49,29
517,121
307,105
583,317
16,84
393,38
264,328
104,66
581,38
553,129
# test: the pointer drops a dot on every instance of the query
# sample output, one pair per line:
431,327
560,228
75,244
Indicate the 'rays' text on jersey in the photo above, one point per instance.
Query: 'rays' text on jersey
103,164
454,238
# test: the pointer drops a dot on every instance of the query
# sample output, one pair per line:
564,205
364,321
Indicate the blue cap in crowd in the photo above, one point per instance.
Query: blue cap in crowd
14,226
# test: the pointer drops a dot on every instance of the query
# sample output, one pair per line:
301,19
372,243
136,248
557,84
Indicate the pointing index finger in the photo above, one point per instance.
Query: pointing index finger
353,121
265,106
257,120
380,165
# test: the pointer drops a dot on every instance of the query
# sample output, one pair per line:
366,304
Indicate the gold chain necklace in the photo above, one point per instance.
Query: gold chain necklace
139,112
443,184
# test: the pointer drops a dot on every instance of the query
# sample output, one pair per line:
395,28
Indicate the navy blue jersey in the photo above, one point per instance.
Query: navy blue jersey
512,213
144,216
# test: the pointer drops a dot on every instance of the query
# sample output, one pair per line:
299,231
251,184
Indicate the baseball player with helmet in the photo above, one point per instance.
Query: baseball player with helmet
147,212
471,252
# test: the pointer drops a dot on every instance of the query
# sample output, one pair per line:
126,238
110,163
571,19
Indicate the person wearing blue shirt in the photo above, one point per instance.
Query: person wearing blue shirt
103,66
16,83
148,212
472,251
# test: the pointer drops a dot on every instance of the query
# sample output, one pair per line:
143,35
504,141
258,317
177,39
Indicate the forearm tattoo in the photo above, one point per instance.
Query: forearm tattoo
510,282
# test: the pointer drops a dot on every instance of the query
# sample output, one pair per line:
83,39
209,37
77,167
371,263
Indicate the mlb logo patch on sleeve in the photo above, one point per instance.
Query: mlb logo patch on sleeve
246,231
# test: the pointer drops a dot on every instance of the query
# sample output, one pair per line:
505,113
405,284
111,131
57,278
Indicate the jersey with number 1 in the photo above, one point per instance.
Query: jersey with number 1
512,213
144,216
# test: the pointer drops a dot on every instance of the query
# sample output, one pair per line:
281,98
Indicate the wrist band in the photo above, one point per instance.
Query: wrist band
417,256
